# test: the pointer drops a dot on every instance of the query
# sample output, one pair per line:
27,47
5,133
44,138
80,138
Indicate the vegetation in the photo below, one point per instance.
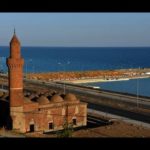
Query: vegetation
66,132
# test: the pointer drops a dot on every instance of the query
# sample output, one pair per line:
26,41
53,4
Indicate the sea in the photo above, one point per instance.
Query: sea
54,59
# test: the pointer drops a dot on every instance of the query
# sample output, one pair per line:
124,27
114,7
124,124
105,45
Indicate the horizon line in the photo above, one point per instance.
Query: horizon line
79,46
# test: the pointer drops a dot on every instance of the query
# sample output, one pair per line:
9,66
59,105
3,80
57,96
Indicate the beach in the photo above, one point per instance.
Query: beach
104,80
95,80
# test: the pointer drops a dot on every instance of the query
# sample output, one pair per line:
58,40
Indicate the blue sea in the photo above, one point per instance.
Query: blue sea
50,59
133,86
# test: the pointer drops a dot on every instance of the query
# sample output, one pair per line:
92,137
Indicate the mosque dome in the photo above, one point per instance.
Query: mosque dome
27,100
5,96
1,93
33,96
56,98
70,97
42,100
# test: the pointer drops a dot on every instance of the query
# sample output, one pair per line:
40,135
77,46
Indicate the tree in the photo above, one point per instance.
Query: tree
67,130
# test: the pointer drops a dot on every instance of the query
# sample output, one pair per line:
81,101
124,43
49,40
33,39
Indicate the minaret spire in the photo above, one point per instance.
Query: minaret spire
14,38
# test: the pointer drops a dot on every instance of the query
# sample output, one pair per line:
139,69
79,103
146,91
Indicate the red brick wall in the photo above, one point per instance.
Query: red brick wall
30,106
43,117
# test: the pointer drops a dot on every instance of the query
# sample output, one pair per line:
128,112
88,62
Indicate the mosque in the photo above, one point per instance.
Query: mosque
45,112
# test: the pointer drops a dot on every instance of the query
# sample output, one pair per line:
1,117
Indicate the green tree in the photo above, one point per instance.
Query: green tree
67,131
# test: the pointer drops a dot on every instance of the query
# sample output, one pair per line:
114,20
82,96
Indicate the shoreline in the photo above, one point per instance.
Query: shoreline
102,80
94,80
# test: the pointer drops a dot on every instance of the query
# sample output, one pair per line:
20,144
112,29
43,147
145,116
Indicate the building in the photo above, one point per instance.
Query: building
42,112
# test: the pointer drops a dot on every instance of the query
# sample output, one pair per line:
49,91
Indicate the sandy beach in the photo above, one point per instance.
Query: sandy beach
103,80
95,80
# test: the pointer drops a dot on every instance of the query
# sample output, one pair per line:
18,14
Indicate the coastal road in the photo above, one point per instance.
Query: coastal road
97,94
99,100
108,102
101,95
114,103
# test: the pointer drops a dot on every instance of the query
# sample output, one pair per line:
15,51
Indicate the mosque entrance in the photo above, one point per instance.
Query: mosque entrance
74,121
31,127
51,125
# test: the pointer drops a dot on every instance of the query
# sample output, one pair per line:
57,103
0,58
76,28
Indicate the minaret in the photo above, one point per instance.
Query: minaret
15,73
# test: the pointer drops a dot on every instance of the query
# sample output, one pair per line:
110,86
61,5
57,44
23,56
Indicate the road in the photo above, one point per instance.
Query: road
119,118
96,98
97,94
114,103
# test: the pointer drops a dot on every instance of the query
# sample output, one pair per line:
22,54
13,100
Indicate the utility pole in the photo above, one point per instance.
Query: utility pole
32,65
26,68
64,68
1,66
137,90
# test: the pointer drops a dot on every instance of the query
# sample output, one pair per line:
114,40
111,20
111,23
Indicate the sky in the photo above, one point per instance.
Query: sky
76,29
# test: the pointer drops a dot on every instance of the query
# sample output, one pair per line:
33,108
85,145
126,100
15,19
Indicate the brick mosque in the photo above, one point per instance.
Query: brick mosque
44,112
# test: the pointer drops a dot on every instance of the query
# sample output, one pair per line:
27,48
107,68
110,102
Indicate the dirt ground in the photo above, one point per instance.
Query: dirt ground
117,129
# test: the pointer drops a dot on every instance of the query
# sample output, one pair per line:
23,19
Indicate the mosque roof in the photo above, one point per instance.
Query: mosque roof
1,93
27,100
70,97
5,96
42,100
56,98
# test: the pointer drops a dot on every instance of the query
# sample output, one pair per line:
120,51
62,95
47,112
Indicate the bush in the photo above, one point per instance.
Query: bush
67,131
